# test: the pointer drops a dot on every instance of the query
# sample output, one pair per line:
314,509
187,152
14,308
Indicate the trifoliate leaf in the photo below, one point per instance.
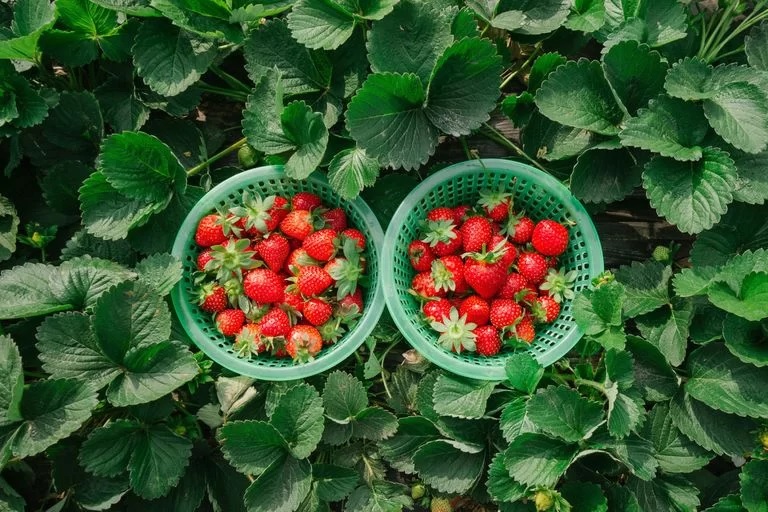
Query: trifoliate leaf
693,196
633,451
604,176
670,127
302,70
535,459
308,135
523,372
562,412
170,59
261,117
281,488
667,328
343,397
646,285
351,170
670,492
158,233
107,451
89,26
754,494
320,23
410,39
635,72
387,120
251,446
11,380
675,452
9,227
74,128
746,340
31,19
577,94
448,466
541,69
586,16
412,433
598,313
334,483
654,376
299,419
756,47
553,141
530,17
749,300
158,461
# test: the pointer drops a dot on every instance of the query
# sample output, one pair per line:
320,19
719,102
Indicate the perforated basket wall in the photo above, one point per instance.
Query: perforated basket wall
200,326
541,196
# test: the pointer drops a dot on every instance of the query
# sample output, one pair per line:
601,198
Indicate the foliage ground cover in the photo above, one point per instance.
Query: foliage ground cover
109,134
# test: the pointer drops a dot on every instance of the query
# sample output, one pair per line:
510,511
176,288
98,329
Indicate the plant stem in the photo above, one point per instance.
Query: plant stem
498,137
230,80
524,65
221,91
464,146
218,156
591,384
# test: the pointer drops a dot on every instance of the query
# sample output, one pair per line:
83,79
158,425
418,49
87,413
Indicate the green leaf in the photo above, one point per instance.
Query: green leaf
673,493
343,397
584,497
168,58
675,452
299,418
501,487
621,498
160,272
460,397
140,166
746,340
334,483
635,72
86,17
668,328
598,313
412,432
351,170
523,372
380,496
464,86
577,94
534,459
625,411
302,70
751,300
754,494
308,135
74,128
251,446
373,423
158,461
11,380
30,19
693,196
320,24
654,376
552,141
515,420
448,466
51,410
281,488
10,499
586,15
743,227
739,114
60,186
753,184
530,17
656,24
107,451
410,39
387,120
646,285
716,431
209,20
9,226
723,382
619,368
755,45
604,176
225,486
730,503
634,452
562,412
261,118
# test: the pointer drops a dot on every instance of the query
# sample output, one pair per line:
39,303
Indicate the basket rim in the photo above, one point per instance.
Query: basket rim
436,354
184,309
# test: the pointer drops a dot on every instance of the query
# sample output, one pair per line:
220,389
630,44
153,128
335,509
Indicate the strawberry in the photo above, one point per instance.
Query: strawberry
249,341
303,343
550,238
274,250
203,259
336,219
212,298
436,310
476,309
294,302
264,286
487,340
519,228
524,330
312,281
475,234
305,201
299,258
321,245
505,312
533,267
423,286
231,258
559,284
346,271
551,261
356,235
275,323
545,309
460,213
443,237
255,213
209,231
455,332
448,274
352,300
496,204
440,504
317,311
514,284
277,213
421,256
229,321
510,252
483,273
440,213
297,224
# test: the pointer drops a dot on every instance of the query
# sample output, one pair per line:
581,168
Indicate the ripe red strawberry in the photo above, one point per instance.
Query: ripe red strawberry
487,340
533,267
475,233
476,310
352,300
505,312
303,343
297,224
440,213
355,235
443,237
321,245
552,262
421,256
229,321
312,281
275,323
299,258
545,309
460,213
483,273
550,238
317,311
212,298
436,310
519,228
424,286
448,274
510,252
294,301
496,204
210,231
514,284
274,250
264,286
277,213
203,259
524,331
305,201
336,219
249,340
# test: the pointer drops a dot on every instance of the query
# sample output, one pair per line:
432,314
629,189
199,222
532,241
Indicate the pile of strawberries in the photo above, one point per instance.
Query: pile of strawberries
487,276
280,275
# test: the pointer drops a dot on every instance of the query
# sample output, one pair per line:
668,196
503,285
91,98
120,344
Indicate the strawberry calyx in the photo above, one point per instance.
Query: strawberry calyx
442,276
331,331
488,256
455,332
438,231
490,199
559,284
231,258
254,211
346,271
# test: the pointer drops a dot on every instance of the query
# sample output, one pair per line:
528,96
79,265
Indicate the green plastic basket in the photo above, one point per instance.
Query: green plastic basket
541,196
200,326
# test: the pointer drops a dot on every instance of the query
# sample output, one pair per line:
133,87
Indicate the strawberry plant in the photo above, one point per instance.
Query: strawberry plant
116,116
